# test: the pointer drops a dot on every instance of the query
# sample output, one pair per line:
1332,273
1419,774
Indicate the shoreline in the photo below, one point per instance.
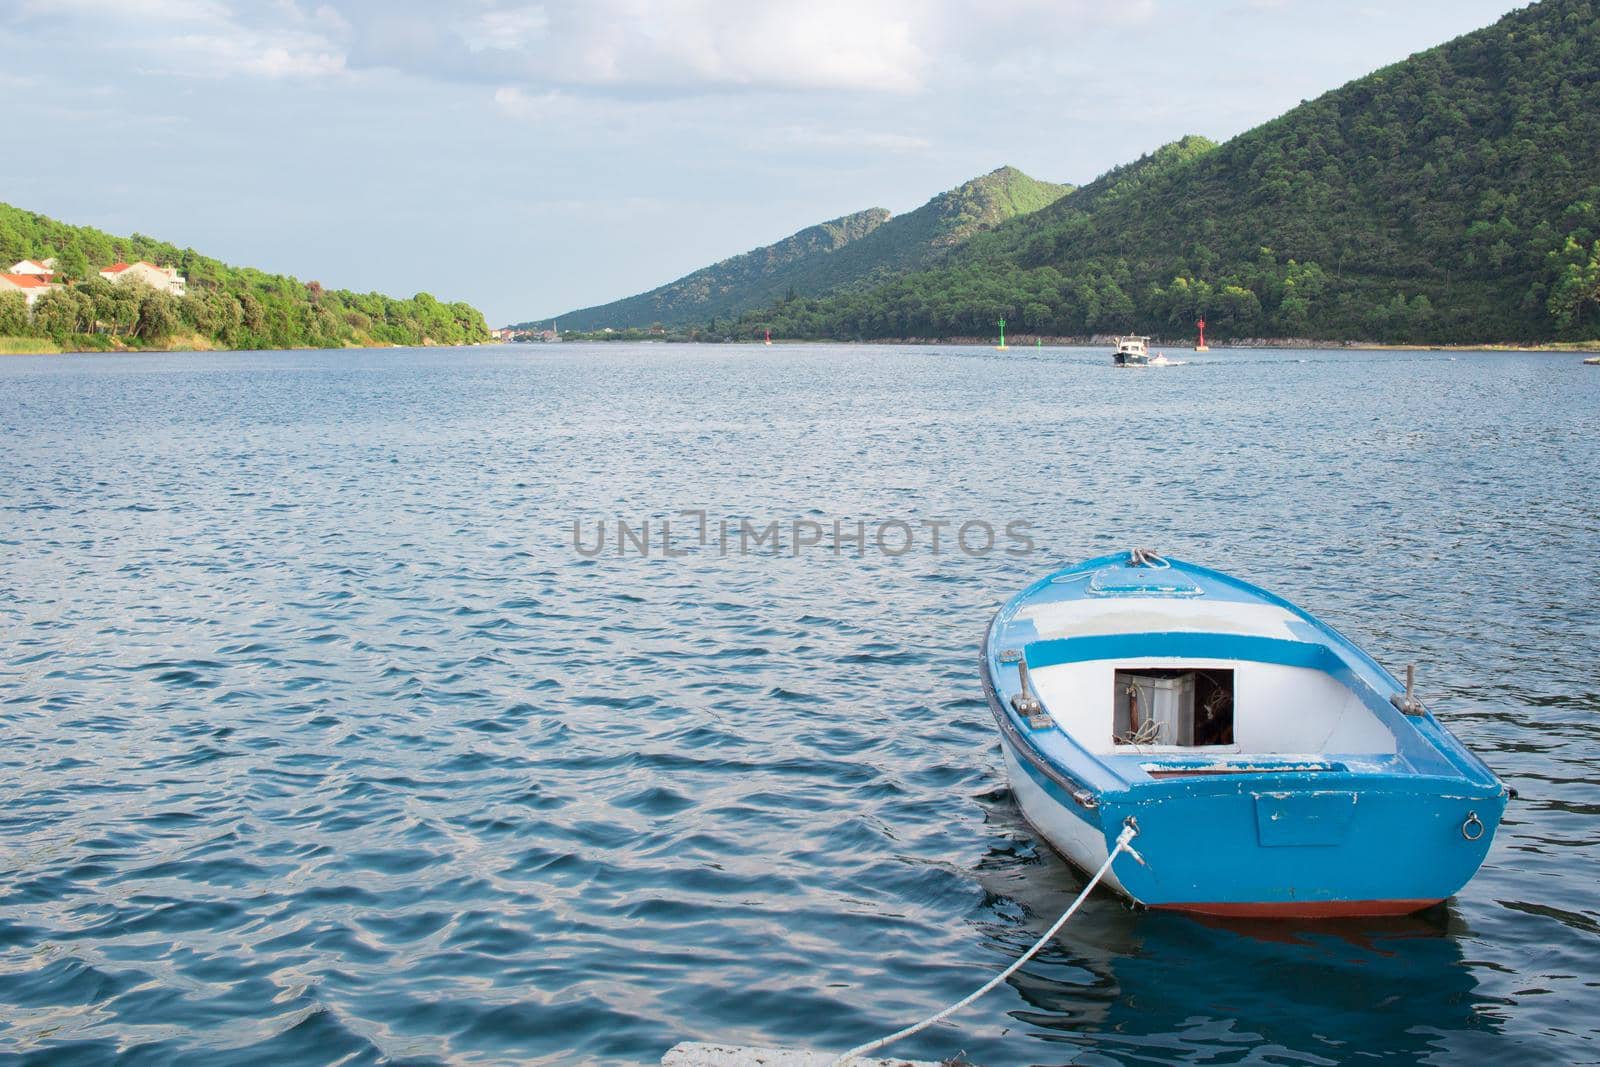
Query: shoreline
44,346
1187,344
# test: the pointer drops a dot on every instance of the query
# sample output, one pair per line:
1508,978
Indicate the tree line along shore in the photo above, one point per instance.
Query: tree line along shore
187,300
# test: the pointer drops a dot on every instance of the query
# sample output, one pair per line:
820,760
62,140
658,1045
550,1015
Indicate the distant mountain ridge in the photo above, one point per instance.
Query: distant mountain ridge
752,279
934,231
1453,197
845,254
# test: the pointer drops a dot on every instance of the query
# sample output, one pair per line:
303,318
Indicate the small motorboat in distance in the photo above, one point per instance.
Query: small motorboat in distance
1131,352
1135,352
1269,767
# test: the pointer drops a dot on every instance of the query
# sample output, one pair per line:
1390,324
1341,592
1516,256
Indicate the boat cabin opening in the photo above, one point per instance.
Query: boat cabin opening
1169,704
1184,708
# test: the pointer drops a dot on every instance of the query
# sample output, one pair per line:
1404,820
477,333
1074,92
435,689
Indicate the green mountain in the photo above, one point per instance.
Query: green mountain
753,279
931,233
846,254
222,307
1451,197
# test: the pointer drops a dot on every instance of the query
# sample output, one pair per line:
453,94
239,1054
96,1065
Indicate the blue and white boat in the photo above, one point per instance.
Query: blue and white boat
1269,766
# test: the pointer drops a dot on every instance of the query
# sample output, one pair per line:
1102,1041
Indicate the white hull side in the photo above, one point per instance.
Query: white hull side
1068,832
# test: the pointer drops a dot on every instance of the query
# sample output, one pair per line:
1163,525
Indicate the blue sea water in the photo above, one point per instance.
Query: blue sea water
323,742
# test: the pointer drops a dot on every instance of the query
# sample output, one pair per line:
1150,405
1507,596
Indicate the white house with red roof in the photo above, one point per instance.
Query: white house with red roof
31,286
42,268
166,279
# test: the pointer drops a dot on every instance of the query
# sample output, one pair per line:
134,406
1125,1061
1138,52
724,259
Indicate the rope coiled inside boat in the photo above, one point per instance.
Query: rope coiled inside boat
1147,557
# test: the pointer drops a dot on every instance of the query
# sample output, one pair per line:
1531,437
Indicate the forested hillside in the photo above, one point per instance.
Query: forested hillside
930,234
1452,197
847,254
753,279
227,307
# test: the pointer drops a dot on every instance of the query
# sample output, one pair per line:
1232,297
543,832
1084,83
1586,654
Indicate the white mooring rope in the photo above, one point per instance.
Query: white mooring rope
1130,830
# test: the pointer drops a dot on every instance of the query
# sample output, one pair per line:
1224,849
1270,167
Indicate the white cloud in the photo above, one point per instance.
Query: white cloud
683,45
609,47
124,10
873,47
265,55
206,38
509,30
275,61
519,104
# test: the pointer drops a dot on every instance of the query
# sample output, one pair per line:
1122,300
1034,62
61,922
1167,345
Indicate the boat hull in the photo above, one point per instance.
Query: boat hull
1371,808
1268,846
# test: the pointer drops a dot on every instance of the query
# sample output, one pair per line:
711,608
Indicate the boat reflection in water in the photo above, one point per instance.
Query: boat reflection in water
1136,986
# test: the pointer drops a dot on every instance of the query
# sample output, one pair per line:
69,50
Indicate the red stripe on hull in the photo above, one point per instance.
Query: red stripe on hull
1303,909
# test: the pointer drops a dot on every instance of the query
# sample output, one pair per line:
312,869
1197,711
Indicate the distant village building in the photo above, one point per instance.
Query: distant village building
39,268
35,277
31,286
166,279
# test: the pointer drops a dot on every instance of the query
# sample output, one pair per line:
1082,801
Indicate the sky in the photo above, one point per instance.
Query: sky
533,158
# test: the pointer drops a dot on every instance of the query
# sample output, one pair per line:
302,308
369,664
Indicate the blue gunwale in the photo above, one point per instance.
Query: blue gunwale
1421,739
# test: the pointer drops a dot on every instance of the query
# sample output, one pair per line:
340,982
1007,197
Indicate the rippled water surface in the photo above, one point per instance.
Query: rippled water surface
322,743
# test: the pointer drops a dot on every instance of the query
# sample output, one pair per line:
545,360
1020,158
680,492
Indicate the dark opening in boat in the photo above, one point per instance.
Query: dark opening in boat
1163,706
